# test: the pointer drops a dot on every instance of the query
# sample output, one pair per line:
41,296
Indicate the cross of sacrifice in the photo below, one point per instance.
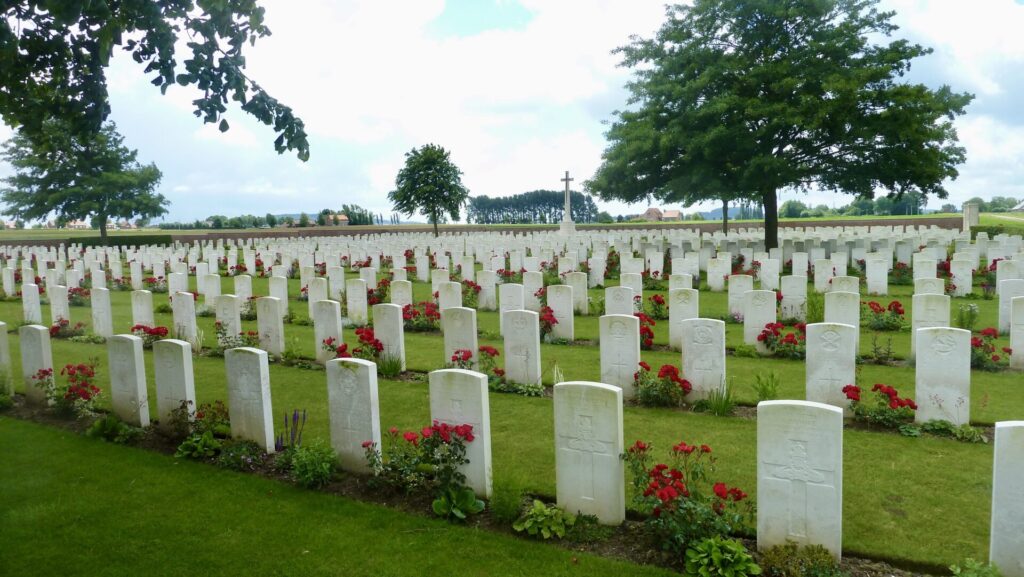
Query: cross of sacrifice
567,215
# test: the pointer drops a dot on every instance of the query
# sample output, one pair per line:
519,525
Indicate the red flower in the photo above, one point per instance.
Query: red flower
645,366
367,444
489,351
412,437
705,449
639,447
721,491
990,333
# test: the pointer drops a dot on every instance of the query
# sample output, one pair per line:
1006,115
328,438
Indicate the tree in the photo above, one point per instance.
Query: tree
54,56
756,96
429,183
321,219
271,220
792,209
78,177
303,220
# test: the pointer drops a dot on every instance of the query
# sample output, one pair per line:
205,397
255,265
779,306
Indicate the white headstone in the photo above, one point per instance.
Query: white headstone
522,347
249,396
943,375
34,343
102,321
326,325
353,409
1006,537
799,474
459,397
831,362
142,308
590,477
683,304
459,327
927,311
758,311
270,325
620,351
129,397
389,329
175,382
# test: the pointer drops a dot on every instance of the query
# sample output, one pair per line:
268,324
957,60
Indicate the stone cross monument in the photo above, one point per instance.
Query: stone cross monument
567,226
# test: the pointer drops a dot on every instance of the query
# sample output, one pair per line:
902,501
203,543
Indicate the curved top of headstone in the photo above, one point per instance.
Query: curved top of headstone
171,343
811,405
244,352
589,386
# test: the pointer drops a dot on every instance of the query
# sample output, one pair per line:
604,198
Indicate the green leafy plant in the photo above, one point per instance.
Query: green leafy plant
719,402
458,503
199,446
965,432
815,307
112,429
241,456
506,501
313,464
545,520
587,529
967,316
667,389
791,560
971,568
886,409
717,556
6,402
766,386
389,366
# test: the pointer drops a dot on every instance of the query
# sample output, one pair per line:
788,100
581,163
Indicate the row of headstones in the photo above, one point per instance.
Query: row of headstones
799,443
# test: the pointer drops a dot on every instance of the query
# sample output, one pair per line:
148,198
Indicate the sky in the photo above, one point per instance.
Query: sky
517,91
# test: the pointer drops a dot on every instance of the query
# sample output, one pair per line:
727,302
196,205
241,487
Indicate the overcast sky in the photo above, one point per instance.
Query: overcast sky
516,90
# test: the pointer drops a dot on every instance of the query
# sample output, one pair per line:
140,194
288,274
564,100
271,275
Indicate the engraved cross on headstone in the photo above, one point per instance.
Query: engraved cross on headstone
799,473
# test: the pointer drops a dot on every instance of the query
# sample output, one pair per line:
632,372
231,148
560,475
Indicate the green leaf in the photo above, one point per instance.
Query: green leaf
223,125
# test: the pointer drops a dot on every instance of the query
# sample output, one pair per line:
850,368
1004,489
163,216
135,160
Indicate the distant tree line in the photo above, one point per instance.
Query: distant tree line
356,214
997,204
538,206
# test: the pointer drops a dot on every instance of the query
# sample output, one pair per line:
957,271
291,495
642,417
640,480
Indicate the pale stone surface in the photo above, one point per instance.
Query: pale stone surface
142,308
270,325
278,287
211,288
316,291
389,328
823,273
183,313
703,347
718,270
487,299
800,474
177,281
128,394
228,314
335,283
31,309
678,281
459,327
401,293
1008,290
758,311
243,287
928,311
510,298
1017,333
353,410
846,284
580,298
532,282
831,362
739,284
34,343
943,375
618,300
590,476
844,308
326,325
7,386
459,397
1006,537
522,347
794,297
963,276
683,303
620,351
932,286
102,321
632,281
252,417
449,295
59,308
356,302
175,381
560,301
877,276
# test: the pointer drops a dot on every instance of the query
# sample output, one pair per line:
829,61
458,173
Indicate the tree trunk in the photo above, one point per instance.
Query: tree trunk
434,222
770,200
103,228
725,216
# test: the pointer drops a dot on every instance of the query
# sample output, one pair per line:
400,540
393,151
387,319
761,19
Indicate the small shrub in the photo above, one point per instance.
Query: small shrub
888,318
545,521
506,501
886,410
748,351
588,529
667,389
717,556
114,430
791,560
313,464
967,316
971,568
719,402
983,352
241,456
457,503
6,402
766,386
199,446
389,366
964,433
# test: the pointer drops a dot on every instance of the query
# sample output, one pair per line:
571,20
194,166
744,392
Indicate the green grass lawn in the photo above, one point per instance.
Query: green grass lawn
91,508
922,500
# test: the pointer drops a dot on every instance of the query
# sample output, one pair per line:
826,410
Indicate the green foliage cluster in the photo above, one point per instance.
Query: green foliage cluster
537,206
429,183
313,464
545,521
715,556
114,430
791,560
971,568
241,456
